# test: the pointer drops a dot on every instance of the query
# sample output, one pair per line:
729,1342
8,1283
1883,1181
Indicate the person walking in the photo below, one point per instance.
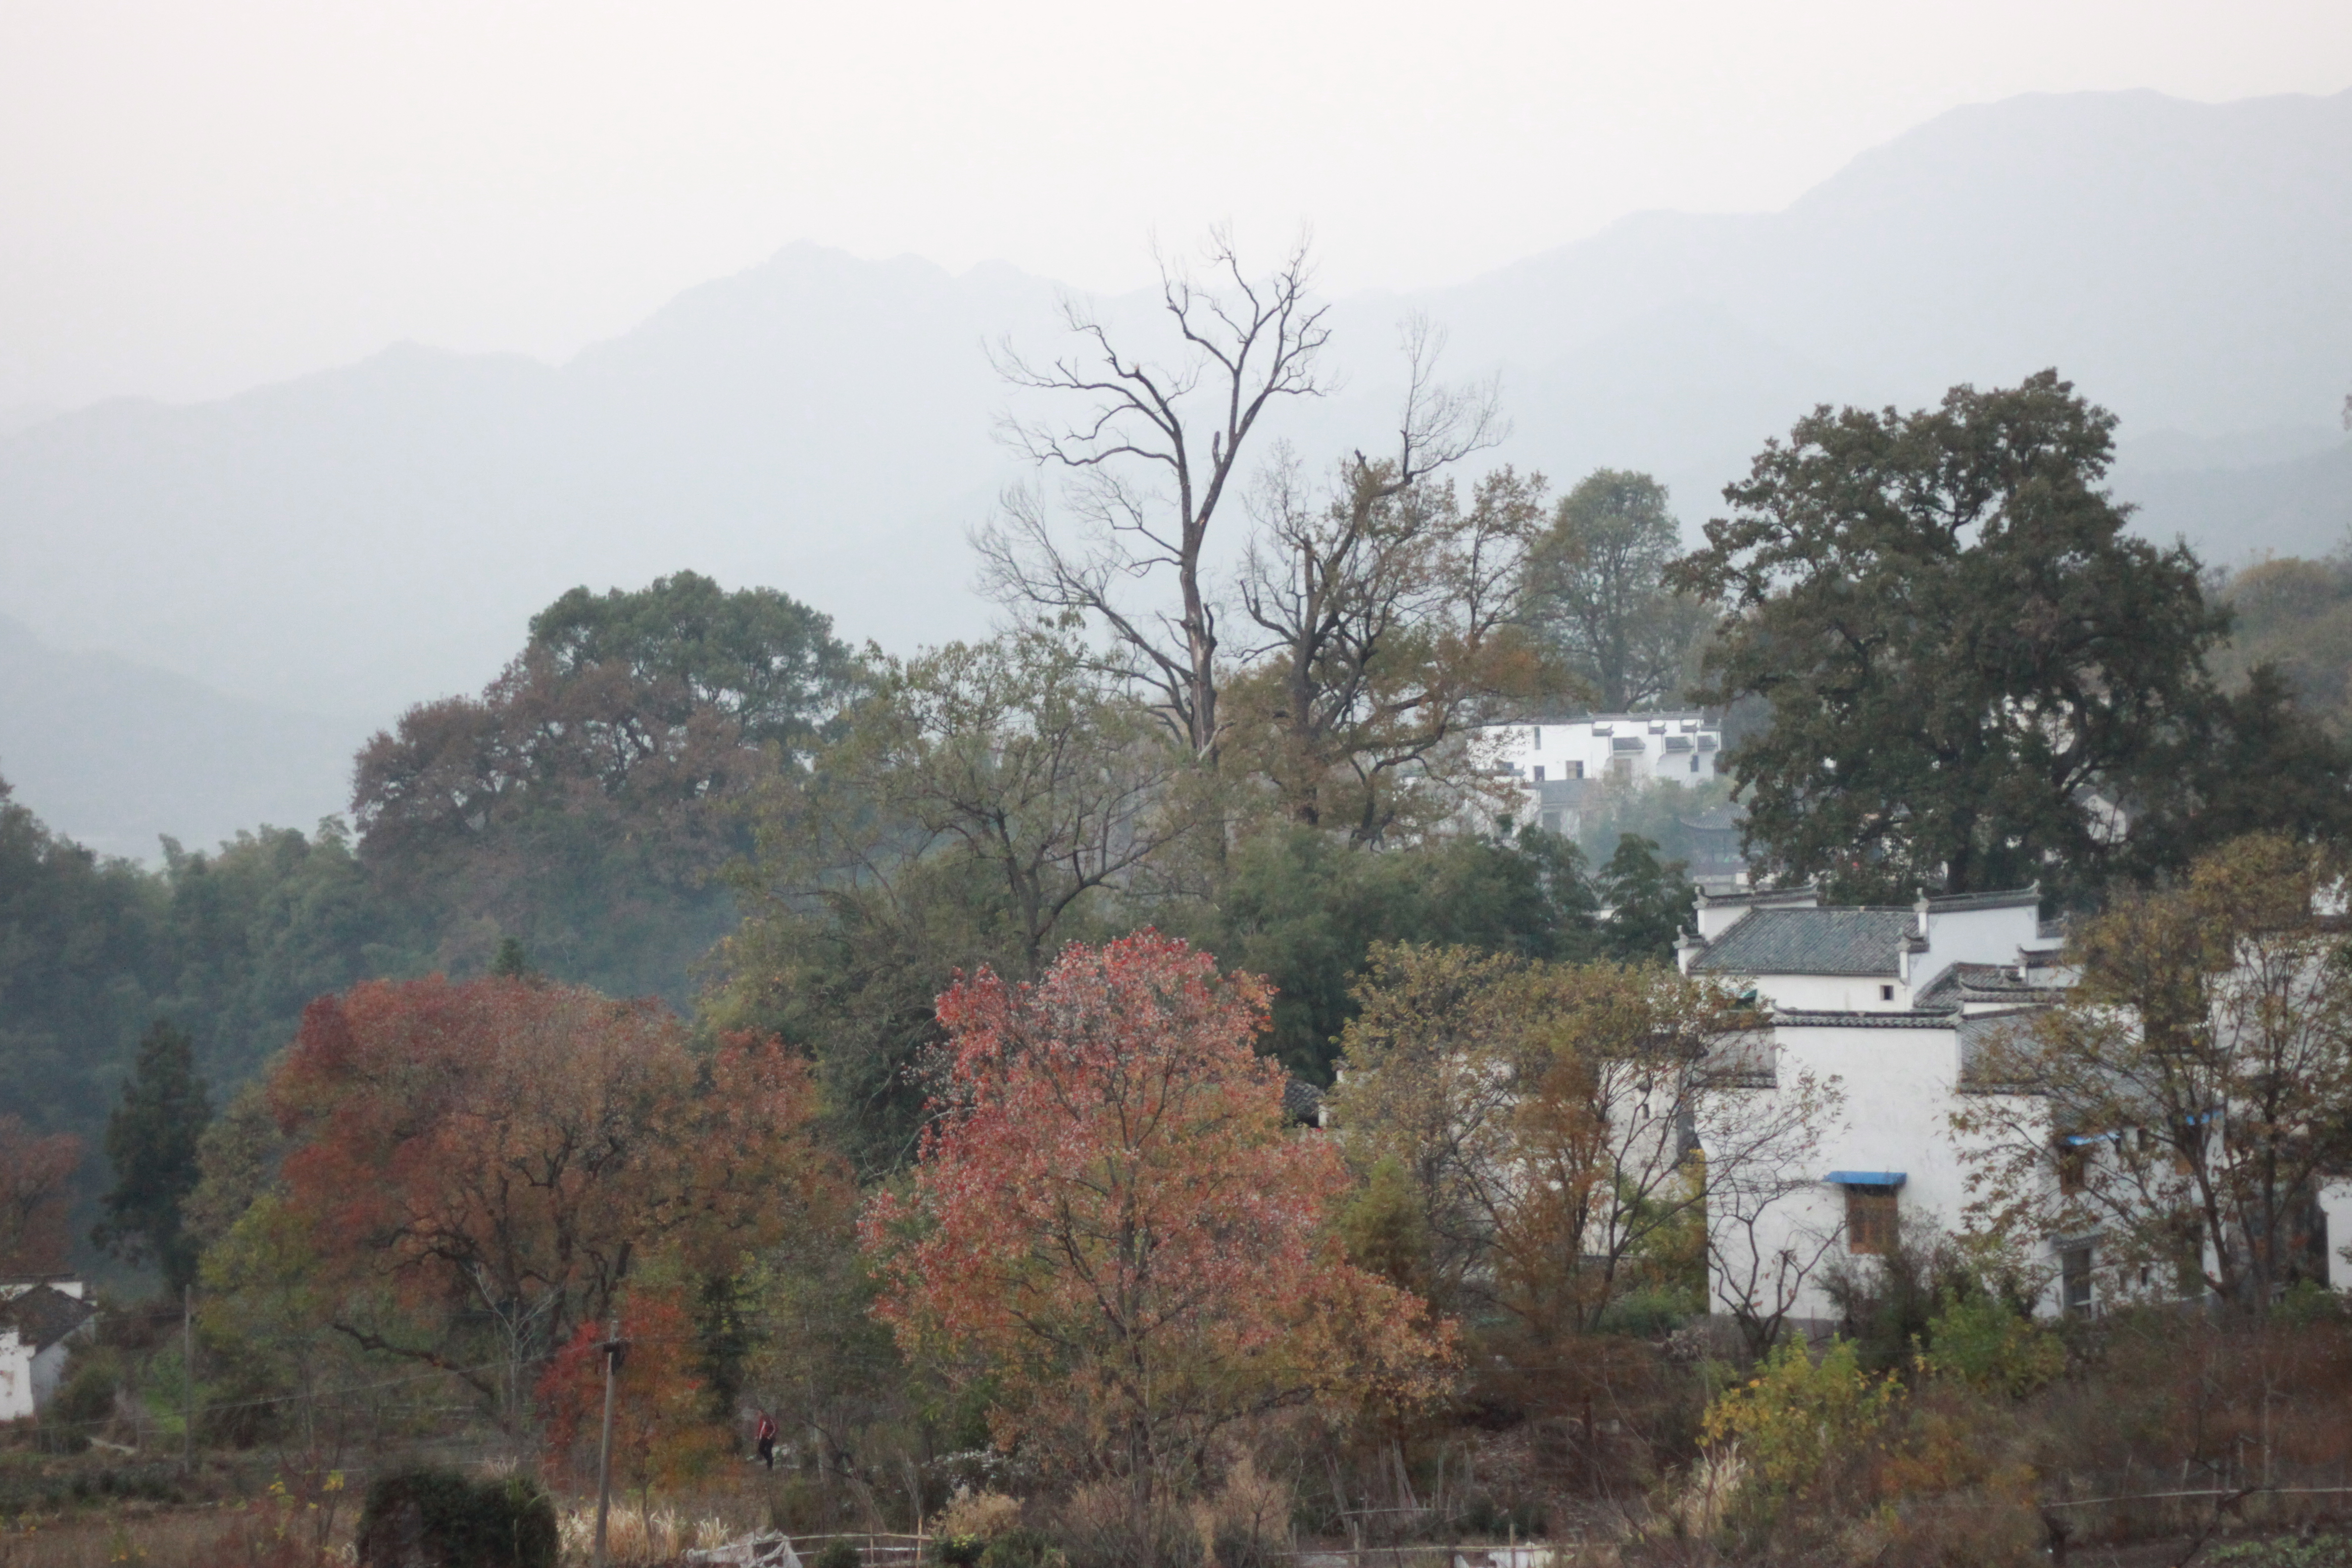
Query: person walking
764,1437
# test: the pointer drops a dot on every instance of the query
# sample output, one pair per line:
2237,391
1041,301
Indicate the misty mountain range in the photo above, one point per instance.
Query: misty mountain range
273,575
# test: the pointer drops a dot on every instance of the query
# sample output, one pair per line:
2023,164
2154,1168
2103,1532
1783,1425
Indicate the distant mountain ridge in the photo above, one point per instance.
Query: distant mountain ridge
112,753
357,540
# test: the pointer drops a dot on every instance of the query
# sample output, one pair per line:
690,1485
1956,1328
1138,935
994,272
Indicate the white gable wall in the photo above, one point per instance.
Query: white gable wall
16,1400
1972,936
1832,993
1900,1084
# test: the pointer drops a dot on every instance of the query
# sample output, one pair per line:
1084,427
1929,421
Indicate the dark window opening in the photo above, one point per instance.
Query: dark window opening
1886,994
2074,1281
1872,1228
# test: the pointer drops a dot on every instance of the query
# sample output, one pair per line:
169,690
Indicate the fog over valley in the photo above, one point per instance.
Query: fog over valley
251,585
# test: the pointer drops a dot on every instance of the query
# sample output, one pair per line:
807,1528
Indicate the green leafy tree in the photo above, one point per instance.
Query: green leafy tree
1975,677
84,946
1306,910
587,801
1596,590
1650,901
761,657
152,1140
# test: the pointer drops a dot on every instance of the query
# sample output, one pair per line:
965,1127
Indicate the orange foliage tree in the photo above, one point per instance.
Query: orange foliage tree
662,1433
1111,1218
506,1153
36,1181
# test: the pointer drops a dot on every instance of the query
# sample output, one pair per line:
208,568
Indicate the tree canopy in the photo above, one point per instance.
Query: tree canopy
1976,678
1595,590
1113,1219
151,1142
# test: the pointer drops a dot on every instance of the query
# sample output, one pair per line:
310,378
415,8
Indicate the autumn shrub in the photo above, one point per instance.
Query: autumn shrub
1019,1547
1990,1347
1246,1522
449,1520
983,1515
1104,1524
1796,1415
952,1550
836,1554
84,1404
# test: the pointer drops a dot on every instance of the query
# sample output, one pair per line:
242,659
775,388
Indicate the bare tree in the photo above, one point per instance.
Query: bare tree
2187,1102
1148,463
1565,1127
1760,1133
1014,754
1384,609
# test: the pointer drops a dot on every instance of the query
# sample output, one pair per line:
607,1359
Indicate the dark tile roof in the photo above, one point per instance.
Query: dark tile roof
2008,898
1974,984
44,1315
1809,941
1889,1020
1302,1103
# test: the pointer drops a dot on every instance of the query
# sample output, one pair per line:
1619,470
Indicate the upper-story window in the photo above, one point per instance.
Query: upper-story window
1539,778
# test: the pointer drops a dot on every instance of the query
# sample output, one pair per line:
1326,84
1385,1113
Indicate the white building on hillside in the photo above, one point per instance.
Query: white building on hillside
1890,1002
1563,764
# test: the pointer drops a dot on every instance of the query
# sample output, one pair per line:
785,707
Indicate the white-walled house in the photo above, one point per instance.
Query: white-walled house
1562,764
1889,1003
40,1321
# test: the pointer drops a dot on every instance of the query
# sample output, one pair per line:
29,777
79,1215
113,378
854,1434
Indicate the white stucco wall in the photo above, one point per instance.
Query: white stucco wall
1900,1084
16,1400
1587,748
2336,1203
1832,993
1972,936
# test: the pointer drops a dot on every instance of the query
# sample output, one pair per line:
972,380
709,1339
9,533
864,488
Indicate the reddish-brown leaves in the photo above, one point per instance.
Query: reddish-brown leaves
518,1145
1111,1216
35,1176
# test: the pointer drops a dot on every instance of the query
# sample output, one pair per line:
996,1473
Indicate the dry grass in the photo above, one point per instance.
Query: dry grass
640,1538
173,1537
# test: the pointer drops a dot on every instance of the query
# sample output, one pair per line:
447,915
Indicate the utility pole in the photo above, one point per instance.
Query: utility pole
187,1378
613,1348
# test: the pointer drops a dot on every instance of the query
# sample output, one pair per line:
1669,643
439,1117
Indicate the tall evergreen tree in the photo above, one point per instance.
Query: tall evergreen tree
151,1141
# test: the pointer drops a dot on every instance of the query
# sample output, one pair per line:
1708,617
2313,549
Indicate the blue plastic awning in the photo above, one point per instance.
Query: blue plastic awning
1865,1178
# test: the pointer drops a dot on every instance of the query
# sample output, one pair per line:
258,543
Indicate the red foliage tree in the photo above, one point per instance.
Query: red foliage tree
36,1193
514,1150
1112,1219
662,1433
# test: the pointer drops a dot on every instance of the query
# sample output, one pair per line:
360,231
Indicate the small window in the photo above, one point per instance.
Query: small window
1573,771
2074,1281
1539,773
1535,738
1886,994
2073,1166
1871,1228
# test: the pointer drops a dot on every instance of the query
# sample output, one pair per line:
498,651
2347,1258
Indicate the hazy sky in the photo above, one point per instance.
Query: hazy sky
195,198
